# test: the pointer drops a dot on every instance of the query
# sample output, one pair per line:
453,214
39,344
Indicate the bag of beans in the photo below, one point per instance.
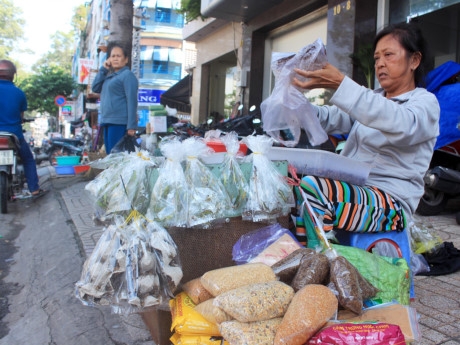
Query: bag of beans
253,333
310,309
313,269
256,302
228,278
286,268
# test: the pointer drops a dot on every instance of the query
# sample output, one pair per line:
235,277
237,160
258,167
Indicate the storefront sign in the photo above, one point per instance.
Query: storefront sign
149,96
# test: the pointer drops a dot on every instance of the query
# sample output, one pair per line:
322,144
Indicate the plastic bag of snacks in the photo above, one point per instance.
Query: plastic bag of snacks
286,268
256,302
244,333
232,176
187,321
228,278
169,200
359,334
267,245
310,309
270,196
208,199
313,269
196,291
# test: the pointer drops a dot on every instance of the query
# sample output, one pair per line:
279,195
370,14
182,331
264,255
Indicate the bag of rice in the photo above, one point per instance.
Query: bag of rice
228,278
212,313
256,302
196,291
253,333
310,309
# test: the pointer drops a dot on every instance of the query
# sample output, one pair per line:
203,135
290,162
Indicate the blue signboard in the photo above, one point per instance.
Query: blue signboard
149,96
143,116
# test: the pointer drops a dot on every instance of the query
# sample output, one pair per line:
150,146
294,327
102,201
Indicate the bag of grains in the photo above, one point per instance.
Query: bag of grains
196,291
212,313
253,333
310,309
313,269
286,268
256,302
228,278
345,279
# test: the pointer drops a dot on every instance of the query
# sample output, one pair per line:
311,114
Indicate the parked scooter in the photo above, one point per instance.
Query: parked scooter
12,176
442,180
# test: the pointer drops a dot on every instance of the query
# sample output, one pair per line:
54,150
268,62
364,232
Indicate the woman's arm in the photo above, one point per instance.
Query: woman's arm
99,80
131,86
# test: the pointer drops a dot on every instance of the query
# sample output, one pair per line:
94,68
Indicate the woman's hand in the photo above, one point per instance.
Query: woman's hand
328,77
107,63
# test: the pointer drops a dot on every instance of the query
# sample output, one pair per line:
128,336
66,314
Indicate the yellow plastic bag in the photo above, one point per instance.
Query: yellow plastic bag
178,339
187,321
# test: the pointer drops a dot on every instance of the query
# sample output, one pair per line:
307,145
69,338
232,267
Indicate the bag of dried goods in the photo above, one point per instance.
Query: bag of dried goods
346,282
169,200
256,302
196,291
232,176
359,334
245,333
287,111
178,339
310,309
267,245
212,313
390,276
186,320
313,269
208,199
94,286
286,268
228,278
270,196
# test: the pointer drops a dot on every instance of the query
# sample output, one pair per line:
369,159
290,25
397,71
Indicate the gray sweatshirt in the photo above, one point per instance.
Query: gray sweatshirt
396,136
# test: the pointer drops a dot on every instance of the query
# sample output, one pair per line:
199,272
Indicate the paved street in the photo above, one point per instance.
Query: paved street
53,235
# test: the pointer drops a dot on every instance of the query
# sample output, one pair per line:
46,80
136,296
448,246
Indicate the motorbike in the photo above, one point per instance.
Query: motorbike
12,176
442,180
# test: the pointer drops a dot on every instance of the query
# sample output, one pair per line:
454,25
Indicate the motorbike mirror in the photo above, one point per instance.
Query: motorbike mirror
252,108
240,107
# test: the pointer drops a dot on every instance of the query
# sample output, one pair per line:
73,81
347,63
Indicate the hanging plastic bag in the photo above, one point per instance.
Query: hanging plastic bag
128,143
208,199
286,111
169,200
270,196
232,177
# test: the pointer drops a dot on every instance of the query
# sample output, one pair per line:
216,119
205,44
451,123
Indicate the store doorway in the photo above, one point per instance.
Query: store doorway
223,82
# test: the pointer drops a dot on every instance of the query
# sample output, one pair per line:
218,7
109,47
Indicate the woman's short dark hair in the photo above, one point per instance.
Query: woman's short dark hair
114,44
410,37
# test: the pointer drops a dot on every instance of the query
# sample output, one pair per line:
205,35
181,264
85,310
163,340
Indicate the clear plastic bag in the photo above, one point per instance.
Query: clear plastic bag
208,199
169,200
250,246
423,240
287,110
232,177
270,196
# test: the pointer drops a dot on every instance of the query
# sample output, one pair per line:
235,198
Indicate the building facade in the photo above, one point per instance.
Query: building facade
157,58
235,43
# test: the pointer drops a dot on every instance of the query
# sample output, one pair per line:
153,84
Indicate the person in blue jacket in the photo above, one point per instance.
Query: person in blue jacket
393,128
118,87
13,103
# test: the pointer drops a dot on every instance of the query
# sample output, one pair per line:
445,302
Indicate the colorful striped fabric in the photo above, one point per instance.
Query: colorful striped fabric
343,206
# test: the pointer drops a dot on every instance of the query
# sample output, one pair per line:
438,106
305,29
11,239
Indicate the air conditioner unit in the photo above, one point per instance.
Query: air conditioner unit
236,10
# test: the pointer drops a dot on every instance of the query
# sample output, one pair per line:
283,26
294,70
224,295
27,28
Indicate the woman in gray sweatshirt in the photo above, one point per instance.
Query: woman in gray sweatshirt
393,128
